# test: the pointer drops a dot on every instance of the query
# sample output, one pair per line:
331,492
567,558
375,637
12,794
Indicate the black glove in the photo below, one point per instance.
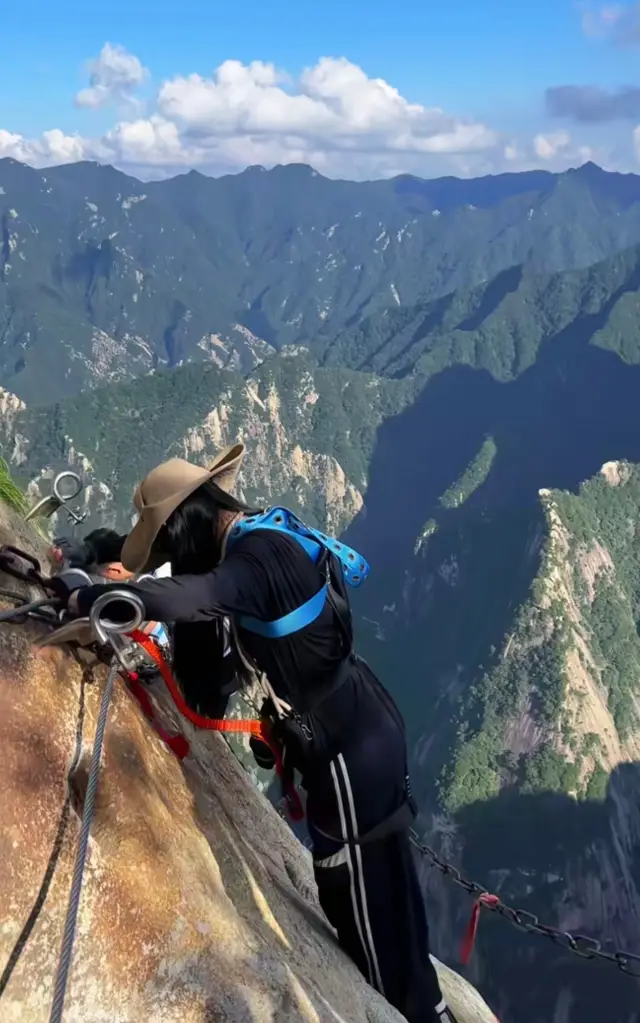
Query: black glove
67,582
262,754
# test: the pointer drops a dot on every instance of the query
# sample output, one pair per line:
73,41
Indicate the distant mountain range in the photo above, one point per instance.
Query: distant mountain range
432,368
103,278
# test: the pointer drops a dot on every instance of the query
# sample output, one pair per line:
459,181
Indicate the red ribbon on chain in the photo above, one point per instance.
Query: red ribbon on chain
468,942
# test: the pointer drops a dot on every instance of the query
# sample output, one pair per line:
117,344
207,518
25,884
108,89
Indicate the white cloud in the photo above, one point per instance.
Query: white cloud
52,147
548,146
617,23
113,78
333,106
557,151
153,140
598,23
333,116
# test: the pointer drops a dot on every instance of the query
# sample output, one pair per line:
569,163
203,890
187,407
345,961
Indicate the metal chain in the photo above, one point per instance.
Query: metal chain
579,944
66,950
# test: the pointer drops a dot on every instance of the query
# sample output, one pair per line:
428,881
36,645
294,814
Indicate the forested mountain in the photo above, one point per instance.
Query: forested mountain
474,430
103,278
499,326
517,680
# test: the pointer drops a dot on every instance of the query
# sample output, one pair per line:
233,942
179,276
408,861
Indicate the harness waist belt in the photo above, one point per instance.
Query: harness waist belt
399,820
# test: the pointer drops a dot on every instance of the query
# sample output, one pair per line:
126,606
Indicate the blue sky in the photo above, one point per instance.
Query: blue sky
483,62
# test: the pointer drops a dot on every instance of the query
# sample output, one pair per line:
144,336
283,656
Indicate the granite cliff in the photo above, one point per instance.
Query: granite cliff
198,903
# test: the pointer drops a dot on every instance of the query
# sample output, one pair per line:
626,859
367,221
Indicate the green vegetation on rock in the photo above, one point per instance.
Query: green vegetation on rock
286,411
500,325
603,522
104,278
10,492
473,477
600,525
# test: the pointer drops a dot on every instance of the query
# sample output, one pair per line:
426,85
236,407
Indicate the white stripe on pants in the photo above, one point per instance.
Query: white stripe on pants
356,874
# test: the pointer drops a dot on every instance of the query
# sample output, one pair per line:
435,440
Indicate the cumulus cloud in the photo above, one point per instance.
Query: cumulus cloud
555,151
591,103
113,78
332,116
333,106
617,23
548,146
52,147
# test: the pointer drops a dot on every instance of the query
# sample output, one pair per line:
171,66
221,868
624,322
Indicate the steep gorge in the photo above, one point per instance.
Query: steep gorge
457,540
448,621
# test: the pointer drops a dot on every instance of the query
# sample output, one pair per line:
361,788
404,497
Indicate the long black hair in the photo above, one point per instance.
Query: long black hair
191,538
191,541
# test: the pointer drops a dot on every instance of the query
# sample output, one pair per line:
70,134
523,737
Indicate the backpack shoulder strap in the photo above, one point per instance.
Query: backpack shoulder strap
354,566
328,554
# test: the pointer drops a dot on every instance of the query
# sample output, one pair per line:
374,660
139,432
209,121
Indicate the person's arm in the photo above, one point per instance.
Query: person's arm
72,552
235,586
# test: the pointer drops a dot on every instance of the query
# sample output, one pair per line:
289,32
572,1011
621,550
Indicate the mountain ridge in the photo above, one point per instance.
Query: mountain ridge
105,277
492,325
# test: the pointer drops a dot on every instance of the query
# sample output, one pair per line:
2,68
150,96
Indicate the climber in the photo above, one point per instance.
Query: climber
284,591
100,555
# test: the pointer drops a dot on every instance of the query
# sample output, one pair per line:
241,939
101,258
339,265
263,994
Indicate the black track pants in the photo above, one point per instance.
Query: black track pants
370,893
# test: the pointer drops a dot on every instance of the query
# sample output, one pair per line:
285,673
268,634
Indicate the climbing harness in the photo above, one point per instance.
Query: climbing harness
259,728
399,820
337,563
333,559
320,548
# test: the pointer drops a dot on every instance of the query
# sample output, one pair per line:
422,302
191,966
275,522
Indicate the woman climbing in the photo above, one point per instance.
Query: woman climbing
282,586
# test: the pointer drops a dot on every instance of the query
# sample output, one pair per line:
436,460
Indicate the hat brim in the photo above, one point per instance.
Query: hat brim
137,551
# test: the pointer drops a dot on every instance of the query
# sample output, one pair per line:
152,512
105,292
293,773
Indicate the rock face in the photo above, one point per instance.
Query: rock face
198,904
308,433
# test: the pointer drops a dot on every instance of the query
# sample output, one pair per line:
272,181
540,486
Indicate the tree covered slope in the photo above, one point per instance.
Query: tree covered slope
104,278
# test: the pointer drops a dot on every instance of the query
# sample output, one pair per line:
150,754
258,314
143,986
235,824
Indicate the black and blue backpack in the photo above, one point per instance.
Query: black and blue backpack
336,561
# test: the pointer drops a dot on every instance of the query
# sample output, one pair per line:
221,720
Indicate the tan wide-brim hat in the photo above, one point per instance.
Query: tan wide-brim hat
166,487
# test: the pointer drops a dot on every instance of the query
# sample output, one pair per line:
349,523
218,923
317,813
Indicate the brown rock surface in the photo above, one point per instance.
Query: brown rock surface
198,904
